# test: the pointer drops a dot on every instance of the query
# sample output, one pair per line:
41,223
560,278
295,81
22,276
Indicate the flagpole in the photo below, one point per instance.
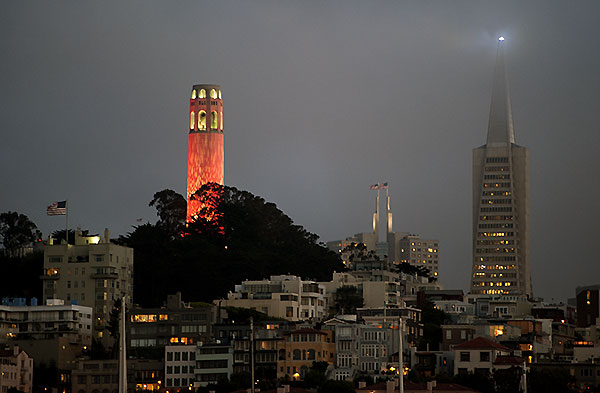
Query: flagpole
67,224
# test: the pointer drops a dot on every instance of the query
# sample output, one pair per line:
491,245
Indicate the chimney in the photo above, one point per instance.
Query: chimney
390,386
362,384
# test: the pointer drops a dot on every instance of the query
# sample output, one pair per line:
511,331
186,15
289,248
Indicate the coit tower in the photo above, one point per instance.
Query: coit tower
206,159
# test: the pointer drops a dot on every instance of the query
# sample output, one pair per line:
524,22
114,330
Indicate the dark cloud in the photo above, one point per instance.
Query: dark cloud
321,100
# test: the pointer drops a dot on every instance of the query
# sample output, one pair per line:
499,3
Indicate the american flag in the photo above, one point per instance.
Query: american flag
57,209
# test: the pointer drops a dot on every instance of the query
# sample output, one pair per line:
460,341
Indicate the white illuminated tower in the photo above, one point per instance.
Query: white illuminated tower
501,200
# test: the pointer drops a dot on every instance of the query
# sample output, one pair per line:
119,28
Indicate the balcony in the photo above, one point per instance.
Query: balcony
105,275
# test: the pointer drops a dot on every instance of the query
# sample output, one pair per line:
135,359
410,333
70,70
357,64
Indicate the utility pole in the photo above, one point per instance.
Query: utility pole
252,354
400,358
524,376
122,351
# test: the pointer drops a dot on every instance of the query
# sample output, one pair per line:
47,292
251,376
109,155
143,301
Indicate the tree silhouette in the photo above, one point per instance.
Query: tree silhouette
171,210
17,231
348,299
236,236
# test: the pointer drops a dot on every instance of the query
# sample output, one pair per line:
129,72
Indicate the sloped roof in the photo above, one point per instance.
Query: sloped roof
481,343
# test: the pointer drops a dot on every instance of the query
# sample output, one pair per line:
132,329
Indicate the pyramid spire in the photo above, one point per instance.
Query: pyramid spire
500,128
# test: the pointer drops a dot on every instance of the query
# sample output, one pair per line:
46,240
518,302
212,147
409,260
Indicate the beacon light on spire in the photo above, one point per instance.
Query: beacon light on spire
205,142
501,38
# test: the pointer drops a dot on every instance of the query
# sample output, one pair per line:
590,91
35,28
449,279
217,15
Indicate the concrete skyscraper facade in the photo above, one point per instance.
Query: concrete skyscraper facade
501,200
206,150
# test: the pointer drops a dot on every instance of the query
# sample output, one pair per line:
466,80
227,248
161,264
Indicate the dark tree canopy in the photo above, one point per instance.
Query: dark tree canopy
21,275
432,319
237,236
17,231
347,299
171,210
358,252
59,235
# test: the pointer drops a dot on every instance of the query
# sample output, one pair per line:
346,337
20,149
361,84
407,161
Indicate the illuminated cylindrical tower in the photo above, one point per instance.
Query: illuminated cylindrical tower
206,159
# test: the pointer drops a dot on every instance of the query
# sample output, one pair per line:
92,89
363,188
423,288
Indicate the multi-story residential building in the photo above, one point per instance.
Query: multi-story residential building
151,329
563,339
16,370
586,374
431,363
424,253
300,348
180,362
54,335
503,306
284,296
93,272
103,376
501,201
21,322
588,305
388,316
379,287
453,335
213,362
365,349
454,308
477,355
564,313
266,338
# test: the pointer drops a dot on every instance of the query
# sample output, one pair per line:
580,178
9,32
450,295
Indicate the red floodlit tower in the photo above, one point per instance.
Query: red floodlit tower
206,160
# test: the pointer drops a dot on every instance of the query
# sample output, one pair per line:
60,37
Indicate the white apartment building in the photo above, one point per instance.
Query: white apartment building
46,322
477,355
180,362
16,370
283,296
92,272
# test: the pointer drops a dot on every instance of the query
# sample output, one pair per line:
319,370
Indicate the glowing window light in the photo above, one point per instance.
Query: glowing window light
193,94
202,94
213,120
501,38
192,121
213,93
202,120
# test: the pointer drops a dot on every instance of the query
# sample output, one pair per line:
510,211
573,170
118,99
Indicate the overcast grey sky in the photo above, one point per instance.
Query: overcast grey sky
321,99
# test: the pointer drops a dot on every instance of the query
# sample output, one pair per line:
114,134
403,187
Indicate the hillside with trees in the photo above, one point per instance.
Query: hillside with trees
236,236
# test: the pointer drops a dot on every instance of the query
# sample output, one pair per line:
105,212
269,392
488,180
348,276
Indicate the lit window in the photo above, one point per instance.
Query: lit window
213,93
193,94
221,119
219,93
202,120
213,120
192,120
202,93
